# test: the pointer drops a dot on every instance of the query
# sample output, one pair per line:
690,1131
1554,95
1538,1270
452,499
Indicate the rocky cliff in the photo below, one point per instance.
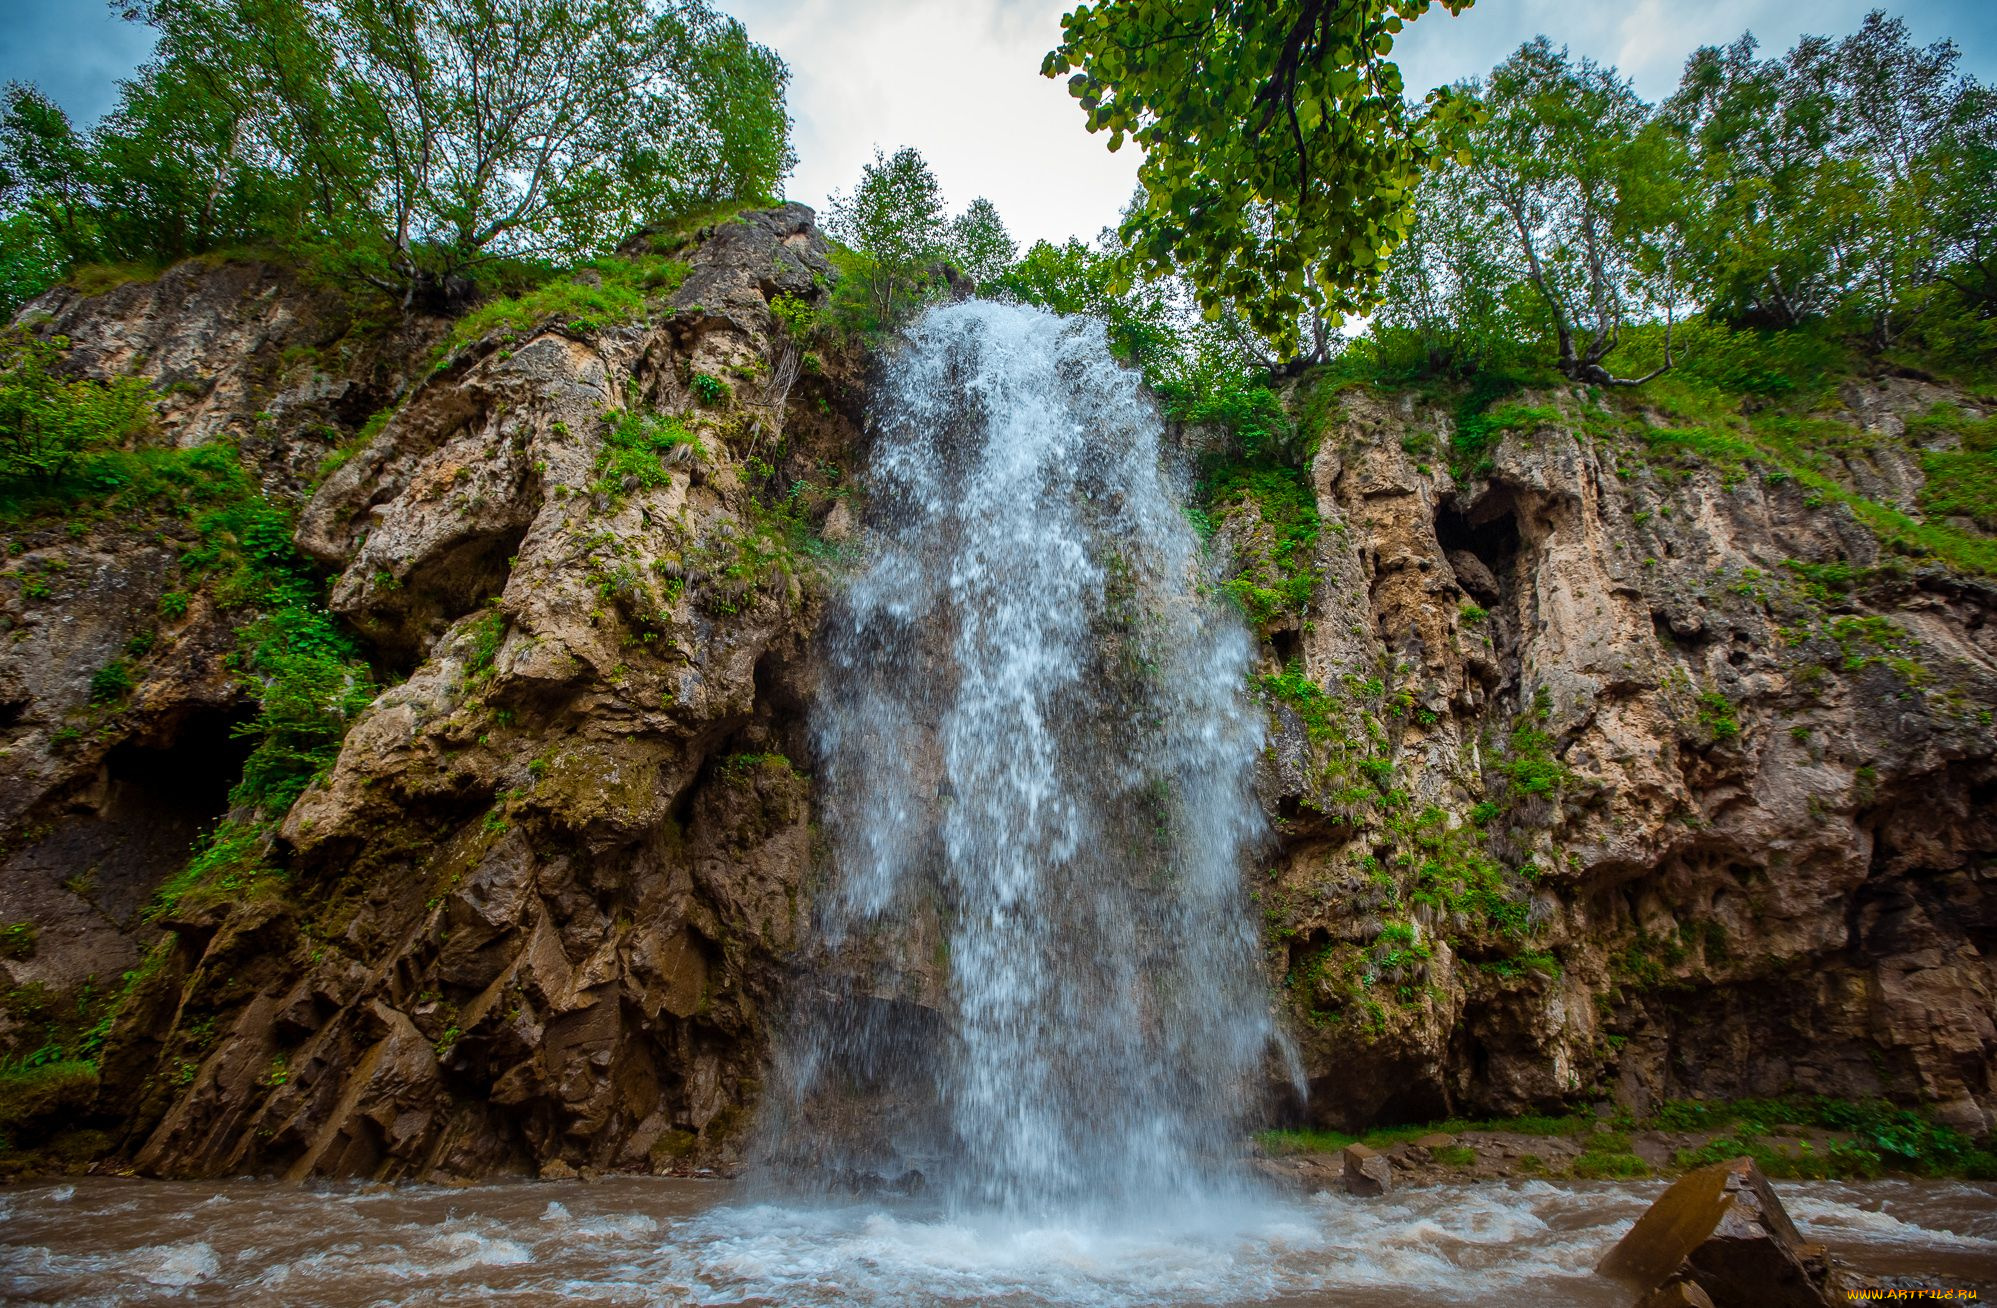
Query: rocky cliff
1615,763
1629,762
533,915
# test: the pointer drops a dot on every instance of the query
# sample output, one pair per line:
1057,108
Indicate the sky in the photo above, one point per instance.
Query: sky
959,79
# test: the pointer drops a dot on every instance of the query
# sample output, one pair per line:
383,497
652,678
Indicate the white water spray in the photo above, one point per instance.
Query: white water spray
1038,990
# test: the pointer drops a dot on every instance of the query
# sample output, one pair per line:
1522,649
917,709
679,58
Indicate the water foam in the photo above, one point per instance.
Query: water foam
1038,988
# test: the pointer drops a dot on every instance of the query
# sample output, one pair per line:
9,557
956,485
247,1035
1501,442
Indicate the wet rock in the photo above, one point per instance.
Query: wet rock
1677,1293
1365,1172
1435,1140
1722,1229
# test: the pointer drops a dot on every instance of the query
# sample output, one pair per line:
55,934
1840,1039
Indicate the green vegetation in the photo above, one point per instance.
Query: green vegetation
377,141
1277,573
302,672
1961,482
1581,223
640,450
47,424
1607,1156
1716,717
604,292
1317,133
1871,1137
111,683
1310,701
897,238
1528,766
17,939
1855,1138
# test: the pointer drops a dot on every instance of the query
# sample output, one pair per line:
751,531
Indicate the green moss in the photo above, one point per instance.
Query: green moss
641,448
17,940
1278,575
604,292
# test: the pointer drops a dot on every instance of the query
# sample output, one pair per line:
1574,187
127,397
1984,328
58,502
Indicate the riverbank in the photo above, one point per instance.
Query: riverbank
1790,1139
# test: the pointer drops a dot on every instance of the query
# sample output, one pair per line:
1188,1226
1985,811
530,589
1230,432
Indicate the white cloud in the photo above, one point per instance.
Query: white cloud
958,81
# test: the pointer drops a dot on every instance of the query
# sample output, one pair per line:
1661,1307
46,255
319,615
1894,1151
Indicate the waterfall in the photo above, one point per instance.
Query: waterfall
1035,984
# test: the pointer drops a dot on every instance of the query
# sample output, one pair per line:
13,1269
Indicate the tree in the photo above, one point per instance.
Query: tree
1778,218
409,142
48,424
1445,293
1586,187
1074,278
44,170
1964,212
1279,152
893,222
1897,105
980,246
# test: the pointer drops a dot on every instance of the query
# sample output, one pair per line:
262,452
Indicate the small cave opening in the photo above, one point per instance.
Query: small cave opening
193,771
137,826
1481,544
475,570
1288,645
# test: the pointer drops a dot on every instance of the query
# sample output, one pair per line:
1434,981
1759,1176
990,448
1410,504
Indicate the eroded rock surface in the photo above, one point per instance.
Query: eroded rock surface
533,917
1611,792
1624,776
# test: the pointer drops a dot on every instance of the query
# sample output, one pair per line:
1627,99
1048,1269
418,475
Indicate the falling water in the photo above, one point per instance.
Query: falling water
1038,986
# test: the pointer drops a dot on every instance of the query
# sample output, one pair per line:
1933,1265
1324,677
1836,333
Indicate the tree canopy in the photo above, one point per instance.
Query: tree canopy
409,142
1851,182
1279,152
899,238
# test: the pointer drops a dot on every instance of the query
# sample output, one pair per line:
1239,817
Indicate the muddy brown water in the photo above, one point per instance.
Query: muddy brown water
643,1241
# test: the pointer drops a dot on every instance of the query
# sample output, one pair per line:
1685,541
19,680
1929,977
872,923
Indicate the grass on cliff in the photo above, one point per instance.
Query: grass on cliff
1746,403
605,292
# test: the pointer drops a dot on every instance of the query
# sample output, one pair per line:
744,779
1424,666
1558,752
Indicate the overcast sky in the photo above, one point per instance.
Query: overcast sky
959,79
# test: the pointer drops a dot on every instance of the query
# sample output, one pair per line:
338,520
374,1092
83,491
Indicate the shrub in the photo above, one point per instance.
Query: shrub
48,427
643,447
709,389
111,682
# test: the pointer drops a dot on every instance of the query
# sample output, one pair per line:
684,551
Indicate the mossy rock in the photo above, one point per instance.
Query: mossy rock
35,1101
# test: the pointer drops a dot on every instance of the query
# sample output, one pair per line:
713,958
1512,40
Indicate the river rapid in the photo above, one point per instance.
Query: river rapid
655,1241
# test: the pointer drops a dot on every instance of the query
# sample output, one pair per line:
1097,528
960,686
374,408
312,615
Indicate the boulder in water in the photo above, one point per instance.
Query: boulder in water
1676,1293
1367,1173
1722,1231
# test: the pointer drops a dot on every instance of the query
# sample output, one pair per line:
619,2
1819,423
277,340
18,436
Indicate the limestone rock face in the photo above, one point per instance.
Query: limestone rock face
534,916
1632,778
100,802
1627,778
